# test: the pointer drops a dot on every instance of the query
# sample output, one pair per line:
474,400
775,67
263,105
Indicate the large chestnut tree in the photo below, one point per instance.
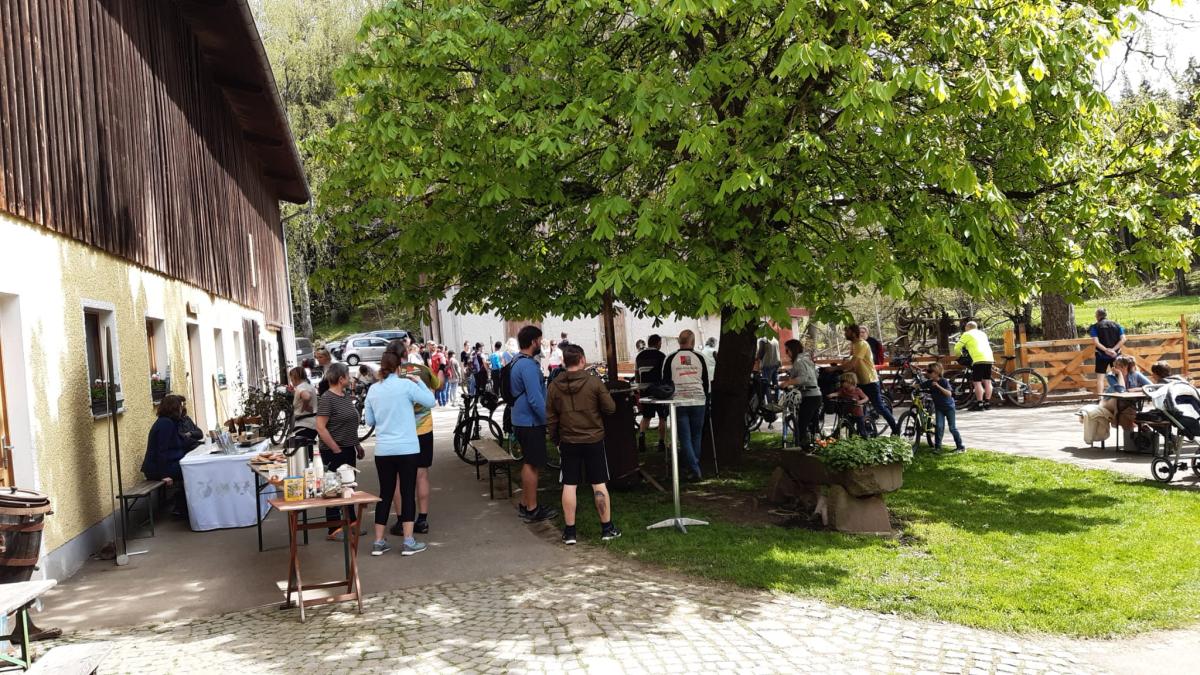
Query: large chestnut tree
711,157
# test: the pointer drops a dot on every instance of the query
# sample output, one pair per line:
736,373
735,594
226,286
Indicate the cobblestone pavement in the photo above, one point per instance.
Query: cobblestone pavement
607,618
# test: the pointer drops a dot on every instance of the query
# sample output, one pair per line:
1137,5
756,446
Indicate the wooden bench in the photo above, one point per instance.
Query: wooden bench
131,497
17,598
497,459
80,659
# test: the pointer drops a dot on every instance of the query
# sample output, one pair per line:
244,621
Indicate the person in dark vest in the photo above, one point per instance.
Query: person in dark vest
1108,336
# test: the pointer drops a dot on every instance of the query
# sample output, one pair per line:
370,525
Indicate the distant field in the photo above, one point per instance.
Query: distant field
1163,311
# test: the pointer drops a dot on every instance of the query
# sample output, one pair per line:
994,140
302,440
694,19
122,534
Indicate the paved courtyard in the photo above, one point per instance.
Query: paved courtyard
605,618
493,596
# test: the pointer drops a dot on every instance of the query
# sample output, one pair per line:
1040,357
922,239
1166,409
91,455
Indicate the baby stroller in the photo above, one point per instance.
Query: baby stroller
1177,409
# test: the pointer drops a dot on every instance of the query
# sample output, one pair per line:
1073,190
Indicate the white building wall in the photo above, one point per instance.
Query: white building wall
586,331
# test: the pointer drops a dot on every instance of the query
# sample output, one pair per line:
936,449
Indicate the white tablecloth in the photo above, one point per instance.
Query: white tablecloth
220,488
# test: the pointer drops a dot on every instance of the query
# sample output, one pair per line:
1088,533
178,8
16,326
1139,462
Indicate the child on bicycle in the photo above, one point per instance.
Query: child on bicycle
943,407
852,398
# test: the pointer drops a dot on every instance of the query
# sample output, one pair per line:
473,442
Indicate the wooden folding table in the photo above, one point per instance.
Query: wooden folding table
352,512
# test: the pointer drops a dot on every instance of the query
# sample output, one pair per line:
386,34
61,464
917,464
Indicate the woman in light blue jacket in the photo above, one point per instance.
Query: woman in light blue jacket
389,408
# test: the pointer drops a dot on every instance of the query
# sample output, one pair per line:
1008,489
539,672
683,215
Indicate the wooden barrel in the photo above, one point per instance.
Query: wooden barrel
22,514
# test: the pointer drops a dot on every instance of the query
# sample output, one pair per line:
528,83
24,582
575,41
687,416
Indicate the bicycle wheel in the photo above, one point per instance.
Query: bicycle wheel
281,424
1024,388
910,428
465,432
365,430
963,388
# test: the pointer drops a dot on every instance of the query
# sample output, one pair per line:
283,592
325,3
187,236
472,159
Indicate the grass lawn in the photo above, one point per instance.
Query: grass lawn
989,540
1163,311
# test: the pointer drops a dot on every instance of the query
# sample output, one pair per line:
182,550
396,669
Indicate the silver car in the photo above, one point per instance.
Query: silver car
363,348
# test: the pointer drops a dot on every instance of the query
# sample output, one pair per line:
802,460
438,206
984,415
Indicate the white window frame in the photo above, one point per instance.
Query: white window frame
106,314
161,356
219,345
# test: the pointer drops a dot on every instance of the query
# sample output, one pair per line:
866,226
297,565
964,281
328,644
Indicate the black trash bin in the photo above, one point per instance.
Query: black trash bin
620,438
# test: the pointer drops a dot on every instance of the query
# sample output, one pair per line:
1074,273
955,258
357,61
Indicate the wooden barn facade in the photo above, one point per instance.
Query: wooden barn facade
144,151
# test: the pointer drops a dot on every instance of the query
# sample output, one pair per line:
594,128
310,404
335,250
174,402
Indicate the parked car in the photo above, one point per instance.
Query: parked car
364,348
395,334
304,350
335,348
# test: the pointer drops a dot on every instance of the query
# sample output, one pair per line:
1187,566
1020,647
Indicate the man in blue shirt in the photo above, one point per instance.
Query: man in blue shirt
529,422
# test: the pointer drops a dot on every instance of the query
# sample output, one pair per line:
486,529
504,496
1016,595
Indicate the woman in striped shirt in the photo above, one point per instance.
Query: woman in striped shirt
337,428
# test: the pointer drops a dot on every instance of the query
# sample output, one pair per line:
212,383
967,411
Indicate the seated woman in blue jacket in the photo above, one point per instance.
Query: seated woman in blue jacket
166,447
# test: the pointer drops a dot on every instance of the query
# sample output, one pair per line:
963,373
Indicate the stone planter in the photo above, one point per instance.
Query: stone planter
848,501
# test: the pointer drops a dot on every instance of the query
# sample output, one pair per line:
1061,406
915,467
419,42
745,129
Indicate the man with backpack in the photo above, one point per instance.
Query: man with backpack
648,365
521,389
496,362
477,369
575,403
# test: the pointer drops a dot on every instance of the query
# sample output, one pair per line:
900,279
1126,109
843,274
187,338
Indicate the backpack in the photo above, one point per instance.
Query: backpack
506,393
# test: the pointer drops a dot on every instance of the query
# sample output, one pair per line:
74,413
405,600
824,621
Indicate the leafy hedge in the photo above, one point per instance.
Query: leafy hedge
853,453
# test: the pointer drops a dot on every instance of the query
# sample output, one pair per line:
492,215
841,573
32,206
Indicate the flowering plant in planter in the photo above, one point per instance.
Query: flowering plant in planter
857,452
98,391
159,386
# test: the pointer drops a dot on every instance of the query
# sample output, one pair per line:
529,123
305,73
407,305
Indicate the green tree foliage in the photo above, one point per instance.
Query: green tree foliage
306,41
737,158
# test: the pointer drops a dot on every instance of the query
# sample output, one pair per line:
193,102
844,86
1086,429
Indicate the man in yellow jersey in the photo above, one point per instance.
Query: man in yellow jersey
979,349
862,364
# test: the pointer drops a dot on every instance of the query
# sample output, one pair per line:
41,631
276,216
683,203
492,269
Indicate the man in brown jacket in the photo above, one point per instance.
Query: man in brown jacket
575,402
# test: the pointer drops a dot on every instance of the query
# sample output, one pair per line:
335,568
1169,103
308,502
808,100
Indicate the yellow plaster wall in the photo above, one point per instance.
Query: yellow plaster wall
52,278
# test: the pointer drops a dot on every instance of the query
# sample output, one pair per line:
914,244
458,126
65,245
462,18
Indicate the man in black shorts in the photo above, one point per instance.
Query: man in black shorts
575,403
1108,337
648,365
529,422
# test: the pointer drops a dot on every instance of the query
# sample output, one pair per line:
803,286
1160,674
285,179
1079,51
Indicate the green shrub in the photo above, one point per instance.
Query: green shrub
853,453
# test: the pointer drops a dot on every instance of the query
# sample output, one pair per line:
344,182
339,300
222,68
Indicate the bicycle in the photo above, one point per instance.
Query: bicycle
844,424
1023,387
467,427
553,455
279,423
918,420
791,400
359,397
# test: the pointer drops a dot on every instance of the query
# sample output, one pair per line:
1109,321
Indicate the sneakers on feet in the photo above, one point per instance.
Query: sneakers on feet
568,537
537,515
380,547
413,548
609,533
421,527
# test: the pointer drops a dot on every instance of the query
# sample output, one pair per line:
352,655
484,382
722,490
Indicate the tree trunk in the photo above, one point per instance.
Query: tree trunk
1181,284
1058,318
301,274
731,390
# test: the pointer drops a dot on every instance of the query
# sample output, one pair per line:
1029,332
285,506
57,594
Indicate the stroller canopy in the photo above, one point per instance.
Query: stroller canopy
1180,402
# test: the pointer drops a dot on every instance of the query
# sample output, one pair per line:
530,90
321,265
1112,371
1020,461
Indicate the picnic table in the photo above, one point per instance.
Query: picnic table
1124,401
352,512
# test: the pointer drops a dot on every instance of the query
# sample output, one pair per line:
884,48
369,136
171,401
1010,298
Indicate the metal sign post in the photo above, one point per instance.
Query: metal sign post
678,522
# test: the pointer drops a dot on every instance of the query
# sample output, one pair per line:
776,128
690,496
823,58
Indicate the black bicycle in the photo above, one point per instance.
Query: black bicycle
1023,387
471,420
359,396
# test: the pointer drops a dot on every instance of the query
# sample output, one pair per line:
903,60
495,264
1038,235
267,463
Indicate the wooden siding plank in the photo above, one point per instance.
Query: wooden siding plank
114,134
